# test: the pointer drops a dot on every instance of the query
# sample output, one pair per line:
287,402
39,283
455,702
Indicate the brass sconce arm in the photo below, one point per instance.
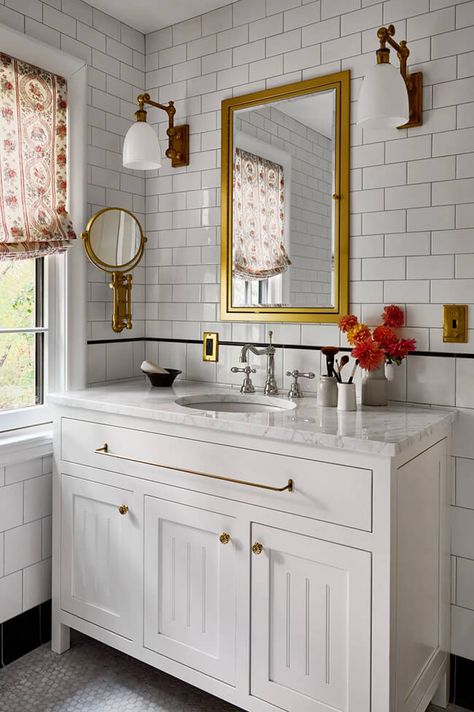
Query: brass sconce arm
178,136
414,82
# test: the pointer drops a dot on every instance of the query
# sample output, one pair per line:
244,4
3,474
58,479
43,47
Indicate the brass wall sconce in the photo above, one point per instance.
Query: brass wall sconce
389,98
114,243
141,148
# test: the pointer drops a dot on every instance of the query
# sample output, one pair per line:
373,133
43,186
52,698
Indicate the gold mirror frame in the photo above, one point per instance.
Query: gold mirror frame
121,281
340,82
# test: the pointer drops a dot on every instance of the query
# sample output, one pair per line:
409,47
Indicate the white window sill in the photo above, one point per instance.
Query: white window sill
26,444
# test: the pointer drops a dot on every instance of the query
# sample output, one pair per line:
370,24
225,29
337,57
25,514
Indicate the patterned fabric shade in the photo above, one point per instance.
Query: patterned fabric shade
258,218
33,174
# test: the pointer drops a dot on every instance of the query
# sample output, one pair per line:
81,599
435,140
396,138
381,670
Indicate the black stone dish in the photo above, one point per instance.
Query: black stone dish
163,380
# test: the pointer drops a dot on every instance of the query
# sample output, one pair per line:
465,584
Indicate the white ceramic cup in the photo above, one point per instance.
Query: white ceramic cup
346,396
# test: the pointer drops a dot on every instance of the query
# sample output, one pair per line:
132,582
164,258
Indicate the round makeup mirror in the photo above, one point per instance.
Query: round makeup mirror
114,242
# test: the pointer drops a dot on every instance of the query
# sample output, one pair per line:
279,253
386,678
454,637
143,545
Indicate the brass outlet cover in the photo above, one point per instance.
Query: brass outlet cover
455,323
210,346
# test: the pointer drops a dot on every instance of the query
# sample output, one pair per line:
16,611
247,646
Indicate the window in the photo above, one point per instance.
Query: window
22,334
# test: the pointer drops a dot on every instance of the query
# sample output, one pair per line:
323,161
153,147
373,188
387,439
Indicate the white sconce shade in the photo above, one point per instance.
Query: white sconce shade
141,148
383,99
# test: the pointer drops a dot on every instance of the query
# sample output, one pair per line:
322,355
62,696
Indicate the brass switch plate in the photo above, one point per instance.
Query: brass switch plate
210,346
455,323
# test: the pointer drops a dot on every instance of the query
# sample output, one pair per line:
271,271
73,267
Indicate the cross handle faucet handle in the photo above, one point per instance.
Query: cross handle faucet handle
295,389
246,370
298,374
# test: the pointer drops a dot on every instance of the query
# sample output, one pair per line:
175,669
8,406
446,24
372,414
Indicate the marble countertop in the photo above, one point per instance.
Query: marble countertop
383,431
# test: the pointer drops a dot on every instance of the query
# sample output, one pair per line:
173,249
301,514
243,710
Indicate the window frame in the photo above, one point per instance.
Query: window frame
65,275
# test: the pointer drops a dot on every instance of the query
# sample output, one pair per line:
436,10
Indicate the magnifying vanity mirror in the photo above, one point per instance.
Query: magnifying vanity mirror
285,202
114,242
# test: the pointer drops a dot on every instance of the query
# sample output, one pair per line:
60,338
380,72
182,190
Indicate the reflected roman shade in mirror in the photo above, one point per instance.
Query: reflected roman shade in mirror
258,217
33,174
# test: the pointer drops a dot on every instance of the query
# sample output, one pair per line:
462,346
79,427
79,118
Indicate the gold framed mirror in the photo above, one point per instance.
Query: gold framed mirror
285,202
114,242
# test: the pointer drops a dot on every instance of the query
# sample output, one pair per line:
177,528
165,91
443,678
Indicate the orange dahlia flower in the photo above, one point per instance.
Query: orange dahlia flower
369,354
347,322
359,332
393,316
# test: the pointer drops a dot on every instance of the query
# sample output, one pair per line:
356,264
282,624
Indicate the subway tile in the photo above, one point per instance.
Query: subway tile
408,149
431,380
11,506
447,242
464,383
36,584
31,8
452,291
430,267
186,31
426,169
452,142
359,20
22,546
332,8
451,43
247,11
409,196
464,496
301,58
459,91
410,291
385,268
453,191
430,218
462,627
407,243
384,221
248,53
433,23
462,532
384,176
266,27
11,596
37,498
286,42
348,46
302,16
400,9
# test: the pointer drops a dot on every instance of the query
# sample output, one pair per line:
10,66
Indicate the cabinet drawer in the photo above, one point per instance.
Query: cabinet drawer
321,490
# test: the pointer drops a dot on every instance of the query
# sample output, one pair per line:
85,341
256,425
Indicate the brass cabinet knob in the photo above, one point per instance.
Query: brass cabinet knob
224,538
123,509
257,548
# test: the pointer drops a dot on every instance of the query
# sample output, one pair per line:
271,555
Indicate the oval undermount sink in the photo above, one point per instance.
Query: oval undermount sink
237,403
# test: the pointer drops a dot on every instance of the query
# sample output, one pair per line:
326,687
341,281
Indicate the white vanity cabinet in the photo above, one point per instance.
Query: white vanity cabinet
187,548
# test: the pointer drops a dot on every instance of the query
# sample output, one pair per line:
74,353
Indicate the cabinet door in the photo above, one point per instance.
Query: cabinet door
190,585
310,623
99,554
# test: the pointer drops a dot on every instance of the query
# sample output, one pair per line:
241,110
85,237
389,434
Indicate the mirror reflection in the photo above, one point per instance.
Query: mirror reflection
283,185
115,238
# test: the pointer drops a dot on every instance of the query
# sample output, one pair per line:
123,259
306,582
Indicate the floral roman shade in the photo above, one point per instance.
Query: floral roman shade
258,218
33,174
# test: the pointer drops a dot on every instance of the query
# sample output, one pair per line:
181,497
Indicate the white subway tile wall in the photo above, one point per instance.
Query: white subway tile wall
25,535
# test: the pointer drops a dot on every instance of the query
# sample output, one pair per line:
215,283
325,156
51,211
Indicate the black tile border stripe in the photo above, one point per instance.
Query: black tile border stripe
303,347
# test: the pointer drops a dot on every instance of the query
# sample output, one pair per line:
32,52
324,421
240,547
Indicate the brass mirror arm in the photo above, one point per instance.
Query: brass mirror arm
385,34
145,99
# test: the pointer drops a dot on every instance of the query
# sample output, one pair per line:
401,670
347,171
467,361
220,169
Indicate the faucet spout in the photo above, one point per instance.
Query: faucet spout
270,387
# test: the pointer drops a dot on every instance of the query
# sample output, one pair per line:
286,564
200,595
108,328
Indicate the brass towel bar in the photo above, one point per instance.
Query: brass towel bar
104,450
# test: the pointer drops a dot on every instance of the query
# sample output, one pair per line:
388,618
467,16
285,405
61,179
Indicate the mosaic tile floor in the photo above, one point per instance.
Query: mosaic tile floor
91,677
94,678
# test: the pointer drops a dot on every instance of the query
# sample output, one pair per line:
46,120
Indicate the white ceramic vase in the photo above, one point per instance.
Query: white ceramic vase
375,387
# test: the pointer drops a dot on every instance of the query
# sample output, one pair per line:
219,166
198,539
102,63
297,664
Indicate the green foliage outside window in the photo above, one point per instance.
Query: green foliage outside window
17,350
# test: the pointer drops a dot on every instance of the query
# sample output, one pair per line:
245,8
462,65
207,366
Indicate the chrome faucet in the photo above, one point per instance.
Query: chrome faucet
270,388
